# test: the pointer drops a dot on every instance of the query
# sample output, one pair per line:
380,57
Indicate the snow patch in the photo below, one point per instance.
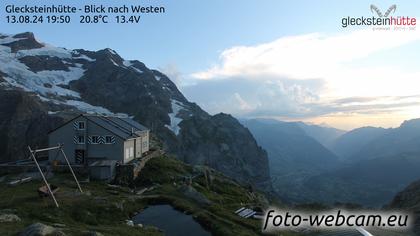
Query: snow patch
175,120
87,108
44,83
113,62
84,57
47,50
157,77
127,63
138,70
166,88
112,51
7,39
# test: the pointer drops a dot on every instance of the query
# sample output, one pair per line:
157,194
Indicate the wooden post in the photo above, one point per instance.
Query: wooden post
46,149
71,169
43,177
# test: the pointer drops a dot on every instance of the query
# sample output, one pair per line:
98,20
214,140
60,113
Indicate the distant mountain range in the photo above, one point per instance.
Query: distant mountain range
350,143
323,134
41,86
387,161
294,155
367,166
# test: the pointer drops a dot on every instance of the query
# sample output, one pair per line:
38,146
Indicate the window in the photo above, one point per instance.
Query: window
80,139
144,144
81,125
109,139
94,139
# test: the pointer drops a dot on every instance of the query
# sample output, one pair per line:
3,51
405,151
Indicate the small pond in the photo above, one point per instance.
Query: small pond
171,221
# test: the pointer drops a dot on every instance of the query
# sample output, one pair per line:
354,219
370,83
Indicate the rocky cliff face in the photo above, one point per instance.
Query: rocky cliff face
409,199
228,147
52,84
23,122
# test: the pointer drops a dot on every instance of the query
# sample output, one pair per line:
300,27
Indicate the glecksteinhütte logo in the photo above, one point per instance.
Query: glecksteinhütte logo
381,20
390,10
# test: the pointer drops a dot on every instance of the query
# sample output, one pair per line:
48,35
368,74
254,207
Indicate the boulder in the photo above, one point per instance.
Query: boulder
93,233
39,229
129,222
9,218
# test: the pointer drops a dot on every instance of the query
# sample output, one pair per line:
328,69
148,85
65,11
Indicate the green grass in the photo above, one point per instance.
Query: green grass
95,211
105,210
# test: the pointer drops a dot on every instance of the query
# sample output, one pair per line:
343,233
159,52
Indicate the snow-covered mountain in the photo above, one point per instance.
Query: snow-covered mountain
41,85
45,70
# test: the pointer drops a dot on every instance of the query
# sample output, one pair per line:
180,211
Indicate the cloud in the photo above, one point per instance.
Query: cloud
306,56
247,96
172,71
312,75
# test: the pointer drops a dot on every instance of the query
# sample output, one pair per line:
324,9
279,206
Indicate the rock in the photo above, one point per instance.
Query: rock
44,63
27,42
58,225
8,211
409,200
113,192
100,200
119,205
140,225
24,120
8,218
93,233
3,178
129,222
39,229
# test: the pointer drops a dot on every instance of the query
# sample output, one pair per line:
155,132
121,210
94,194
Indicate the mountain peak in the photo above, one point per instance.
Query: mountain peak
25,35
21,41
411,124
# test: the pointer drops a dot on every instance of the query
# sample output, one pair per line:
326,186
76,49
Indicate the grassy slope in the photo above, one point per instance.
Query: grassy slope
105,210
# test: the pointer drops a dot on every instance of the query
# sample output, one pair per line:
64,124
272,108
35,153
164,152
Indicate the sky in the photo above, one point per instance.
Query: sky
289,60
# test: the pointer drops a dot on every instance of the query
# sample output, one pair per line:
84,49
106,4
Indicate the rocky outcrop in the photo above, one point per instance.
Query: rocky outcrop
23,121
41,63
221,142
39,229
409,200
8,218
27,41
